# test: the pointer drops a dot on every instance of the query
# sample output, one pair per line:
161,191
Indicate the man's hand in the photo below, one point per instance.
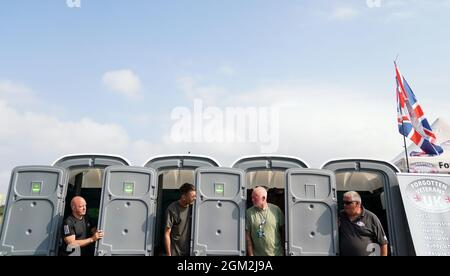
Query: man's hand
97,235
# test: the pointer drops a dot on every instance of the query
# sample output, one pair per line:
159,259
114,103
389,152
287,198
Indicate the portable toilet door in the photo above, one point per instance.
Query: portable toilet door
128,211
33,213
172,172
377,183
268,171
218,221
311,224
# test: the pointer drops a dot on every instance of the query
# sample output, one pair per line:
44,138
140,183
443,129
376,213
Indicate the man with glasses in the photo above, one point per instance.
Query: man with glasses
264,226
360,231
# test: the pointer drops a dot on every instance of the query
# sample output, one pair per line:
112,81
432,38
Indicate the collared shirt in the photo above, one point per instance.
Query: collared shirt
362,236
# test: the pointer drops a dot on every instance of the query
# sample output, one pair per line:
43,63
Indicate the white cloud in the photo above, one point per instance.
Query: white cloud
227,70
30,138
186,84
415,3
192,89
35,138
436,2
344,13
316,124
394,3
400,15
319,123
40,131
125,82
407,9
16,94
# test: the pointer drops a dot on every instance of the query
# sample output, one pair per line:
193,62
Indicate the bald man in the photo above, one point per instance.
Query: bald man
79,230
264,226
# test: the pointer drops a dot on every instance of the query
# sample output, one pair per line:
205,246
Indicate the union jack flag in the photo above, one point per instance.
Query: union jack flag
411,118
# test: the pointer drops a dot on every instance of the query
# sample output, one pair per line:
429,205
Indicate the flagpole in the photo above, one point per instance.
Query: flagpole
403,130
406,150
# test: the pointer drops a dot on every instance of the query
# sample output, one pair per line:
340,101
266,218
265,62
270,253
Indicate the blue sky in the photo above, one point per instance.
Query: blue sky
106,77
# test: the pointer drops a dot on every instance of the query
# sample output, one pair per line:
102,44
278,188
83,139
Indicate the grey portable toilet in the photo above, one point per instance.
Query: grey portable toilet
128,211
33,213
219,212
268,171
39,197
311,213
377,183
85,178
172,171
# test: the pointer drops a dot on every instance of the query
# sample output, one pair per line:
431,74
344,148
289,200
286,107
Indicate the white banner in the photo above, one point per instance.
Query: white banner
426,198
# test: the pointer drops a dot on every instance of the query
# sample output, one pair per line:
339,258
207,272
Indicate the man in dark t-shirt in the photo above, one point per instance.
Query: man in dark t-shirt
78,230
360,231
177,231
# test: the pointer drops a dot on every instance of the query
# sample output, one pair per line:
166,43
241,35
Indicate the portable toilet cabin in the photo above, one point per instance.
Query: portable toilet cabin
305,196
376,181
121,198
172,172
39,197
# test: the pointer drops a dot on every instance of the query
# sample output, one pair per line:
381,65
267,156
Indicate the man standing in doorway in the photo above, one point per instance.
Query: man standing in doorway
360,231
177,232
264,226
79,230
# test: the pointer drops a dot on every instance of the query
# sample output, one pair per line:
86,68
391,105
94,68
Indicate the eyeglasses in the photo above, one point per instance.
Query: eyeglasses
348,202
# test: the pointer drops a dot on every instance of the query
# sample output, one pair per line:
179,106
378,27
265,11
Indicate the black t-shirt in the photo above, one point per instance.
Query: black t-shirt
361,237
82,229
178,219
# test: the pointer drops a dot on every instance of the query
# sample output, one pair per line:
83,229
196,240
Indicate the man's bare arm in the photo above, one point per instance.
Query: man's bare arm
167,241
248,238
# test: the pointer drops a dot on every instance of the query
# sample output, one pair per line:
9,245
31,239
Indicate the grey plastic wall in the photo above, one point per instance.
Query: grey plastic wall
268,162
128,211
311,223
87,160
180,161
33,215
218,223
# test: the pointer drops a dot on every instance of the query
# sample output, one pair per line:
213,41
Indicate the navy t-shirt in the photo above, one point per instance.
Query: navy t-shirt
82,229
362,236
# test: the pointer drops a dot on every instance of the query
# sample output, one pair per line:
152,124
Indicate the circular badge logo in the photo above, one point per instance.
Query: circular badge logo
429,195
423,167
